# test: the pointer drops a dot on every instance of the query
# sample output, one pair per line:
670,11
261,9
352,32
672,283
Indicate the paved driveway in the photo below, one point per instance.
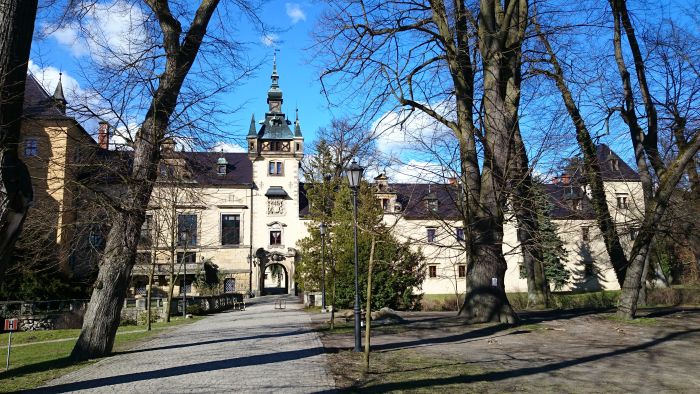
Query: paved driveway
260,349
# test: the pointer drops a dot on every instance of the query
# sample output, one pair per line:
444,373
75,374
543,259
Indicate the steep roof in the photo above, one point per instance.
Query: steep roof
38,102
204,170
275,127
623,172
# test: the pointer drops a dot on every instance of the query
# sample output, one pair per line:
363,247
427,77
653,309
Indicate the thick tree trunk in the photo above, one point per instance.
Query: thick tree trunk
485,299
16,28
102,315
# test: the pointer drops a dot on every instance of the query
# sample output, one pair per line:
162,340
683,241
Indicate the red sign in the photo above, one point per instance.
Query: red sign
11,324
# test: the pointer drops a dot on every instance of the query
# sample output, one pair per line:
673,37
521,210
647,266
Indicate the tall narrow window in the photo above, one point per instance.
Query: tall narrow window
275,237
186,230
229,285
230,229
585,234
622,201
432,271
147,230
633,233
460,234
430,235
275,168
30,147
462,271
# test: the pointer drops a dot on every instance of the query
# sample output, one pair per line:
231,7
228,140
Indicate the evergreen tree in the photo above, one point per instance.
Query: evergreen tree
553,252
398,270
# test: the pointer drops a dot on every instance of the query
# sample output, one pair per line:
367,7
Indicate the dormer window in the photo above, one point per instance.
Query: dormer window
431,205
615,164
222,165
576,204
622,201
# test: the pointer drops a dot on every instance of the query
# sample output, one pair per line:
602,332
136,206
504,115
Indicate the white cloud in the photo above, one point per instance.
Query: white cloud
403,131
111,31
48,78
295,13
269,39
416,171
227,147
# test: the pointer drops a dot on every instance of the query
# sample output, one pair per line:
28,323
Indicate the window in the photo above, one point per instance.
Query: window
585,234
230,229
140,288
186,258
615,164
30,147
575,204
146,230
431,235
275,237
432,205
622,201
186,230
222,169
462,271
432,271
588,269
229,285
275,168
460,234
634,231
187,286
385,204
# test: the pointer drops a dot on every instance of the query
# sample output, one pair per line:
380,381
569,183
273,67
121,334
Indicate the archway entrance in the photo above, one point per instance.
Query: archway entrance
275,279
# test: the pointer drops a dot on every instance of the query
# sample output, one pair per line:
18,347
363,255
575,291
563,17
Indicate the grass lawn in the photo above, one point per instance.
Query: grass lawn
33,364
396,370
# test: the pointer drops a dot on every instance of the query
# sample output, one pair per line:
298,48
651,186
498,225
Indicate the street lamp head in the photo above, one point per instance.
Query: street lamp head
322,228
354,172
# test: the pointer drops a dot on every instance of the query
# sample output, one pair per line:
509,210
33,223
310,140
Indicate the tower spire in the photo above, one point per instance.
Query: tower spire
274,94
251,131
297,126
58,96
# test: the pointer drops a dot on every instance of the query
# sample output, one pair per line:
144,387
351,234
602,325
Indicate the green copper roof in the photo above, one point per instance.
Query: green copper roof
275,127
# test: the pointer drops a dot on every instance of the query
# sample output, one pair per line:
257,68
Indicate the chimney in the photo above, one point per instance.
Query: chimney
103,135
565,179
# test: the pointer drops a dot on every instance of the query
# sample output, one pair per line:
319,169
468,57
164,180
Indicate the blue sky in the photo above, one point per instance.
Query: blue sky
61,51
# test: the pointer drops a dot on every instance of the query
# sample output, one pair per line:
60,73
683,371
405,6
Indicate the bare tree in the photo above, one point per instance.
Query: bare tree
179,52
421,55
17,25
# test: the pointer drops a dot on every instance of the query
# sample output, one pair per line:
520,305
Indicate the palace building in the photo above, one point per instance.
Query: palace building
235,218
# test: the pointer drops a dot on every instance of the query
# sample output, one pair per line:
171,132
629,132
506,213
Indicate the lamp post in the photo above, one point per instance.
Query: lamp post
354,173
184,237
322,229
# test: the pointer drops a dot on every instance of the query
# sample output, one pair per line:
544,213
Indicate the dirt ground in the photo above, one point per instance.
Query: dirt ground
554,351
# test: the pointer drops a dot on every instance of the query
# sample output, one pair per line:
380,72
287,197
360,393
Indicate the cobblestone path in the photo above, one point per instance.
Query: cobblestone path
261,349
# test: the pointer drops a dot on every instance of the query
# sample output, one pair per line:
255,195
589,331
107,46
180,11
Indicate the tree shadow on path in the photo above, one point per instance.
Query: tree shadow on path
502,375
181,370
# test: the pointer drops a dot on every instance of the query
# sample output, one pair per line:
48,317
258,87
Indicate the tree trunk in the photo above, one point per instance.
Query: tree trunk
591,167
16,28
102,315
528,228
485,299
103,312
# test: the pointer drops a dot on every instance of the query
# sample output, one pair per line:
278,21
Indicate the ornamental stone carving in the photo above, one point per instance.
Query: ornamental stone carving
275,207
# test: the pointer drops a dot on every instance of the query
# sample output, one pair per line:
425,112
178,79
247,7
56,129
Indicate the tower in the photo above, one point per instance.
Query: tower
276,148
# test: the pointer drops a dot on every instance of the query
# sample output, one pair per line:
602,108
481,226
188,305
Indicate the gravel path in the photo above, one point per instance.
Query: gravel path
261,349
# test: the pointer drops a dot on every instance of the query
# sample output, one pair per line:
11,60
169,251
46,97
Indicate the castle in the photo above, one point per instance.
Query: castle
239,216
